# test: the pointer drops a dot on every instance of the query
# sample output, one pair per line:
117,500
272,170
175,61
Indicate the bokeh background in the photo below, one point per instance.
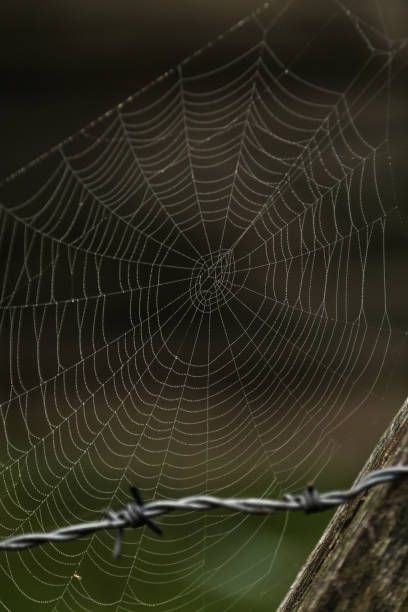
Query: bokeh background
64,63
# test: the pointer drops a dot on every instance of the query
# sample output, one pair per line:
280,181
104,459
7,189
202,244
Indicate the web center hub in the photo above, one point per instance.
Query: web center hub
212,280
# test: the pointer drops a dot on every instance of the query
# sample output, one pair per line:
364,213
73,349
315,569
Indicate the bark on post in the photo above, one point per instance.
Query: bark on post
361,561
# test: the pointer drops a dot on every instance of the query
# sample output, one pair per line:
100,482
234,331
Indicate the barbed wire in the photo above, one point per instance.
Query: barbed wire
137,513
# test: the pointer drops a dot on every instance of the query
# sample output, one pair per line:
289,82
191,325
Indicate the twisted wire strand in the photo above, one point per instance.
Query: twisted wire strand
137,513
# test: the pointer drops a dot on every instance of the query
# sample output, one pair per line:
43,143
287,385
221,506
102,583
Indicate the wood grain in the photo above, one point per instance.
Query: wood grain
361,561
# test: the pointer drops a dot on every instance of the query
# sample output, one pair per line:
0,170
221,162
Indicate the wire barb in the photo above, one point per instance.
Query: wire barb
310,500
133,516
137,513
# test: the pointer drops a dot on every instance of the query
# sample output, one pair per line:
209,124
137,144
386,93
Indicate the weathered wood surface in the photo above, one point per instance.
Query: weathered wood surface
361,561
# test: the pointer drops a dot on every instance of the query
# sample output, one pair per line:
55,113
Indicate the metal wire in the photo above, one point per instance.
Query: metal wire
138,513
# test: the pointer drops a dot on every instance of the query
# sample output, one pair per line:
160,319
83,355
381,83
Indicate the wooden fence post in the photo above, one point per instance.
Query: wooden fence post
361,561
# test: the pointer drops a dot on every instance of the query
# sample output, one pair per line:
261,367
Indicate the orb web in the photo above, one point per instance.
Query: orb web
194,295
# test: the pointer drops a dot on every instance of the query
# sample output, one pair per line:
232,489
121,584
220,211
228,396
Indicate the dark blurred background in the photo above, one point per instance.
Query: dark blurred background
65,62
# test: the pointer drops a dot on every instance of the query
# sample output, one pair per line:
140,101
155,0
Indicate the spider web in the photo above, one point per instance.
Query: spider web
195,294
